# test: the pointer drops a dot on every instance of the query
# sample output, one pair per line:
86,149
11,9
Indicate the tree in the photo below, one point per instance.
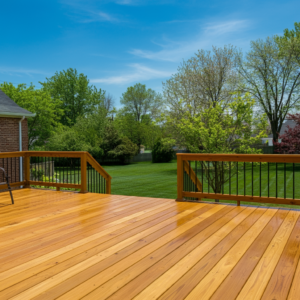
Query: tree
290,140
217,131
272,79
163,150
139,101
87,134
208,78
47,111
289,43
77,96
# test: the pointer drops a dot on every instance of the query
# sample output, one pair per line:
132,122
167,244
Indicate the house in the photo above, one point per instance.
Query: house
287,123
13,135
13,125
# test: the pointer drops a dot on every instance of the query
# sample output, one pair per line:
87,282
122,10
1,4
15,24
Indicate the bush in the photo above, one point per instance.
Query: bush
124,151
162,150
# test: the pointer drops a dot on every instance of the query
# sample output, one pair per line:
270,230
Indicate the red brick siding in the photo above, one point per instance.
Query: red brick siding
9,134
9,142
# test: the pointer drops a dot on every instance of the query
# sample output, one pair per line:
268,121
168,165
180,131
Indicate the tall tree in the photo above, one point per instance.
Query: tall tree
208,78
77,96
47,111
139,101
273,79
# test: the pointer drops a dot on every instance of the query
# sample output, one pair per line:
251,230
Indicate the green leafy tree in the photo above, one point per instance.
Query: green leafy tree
77,96
87,134
218,131
289,43
139,101
47,111
272,77
163,150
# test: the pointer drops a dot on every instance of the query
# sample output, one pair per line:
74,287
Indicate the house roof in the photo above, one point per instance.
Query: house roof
8,108
284,127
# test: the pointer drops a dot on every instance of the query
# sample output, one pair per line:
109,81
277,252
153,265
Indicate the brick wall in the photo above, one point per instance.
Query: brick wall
9,142
9,134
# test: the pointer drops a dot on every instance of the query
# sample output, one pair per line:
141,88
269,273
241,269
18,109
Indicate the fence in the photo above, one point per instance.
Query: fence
253,178
67,170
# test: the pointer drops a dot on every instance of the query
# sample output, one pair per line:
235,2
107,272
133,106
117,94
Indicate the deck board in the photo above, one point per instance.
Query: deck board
64,245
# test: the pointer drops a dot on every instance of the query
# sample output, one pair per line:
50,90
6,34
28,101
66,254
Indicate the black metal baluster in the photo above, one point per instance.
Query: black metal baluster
230,178
53,164
11,168
215,176
222,177
293,180
68,167
284,181
88,176
94,180
45,165
202,176
259,179
63,169
99,183
268,179
244,179
252,179
208,175
237,177
196,179
276,180
17,175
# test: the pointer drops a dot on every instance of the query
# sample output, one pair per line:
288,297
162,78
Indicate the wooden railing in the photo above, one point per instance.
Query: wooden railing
60,169
260,178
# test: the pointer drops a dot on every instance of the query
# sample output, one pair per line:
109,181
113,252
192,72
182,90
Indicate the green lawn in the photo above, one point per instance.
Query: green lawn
145,179
160,181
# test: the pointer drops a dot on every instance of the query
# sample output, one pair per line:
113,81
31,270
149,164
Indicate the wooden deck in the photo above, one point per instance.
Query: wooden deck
63,245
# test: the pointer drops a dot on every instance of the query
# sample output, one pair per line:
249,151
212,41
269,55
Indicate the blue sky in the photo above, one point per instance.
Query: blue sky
118,43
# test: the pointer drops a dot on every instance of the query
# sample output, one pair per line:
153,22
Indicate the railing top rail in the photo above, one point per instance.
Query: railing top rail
12,154
279,158
77,154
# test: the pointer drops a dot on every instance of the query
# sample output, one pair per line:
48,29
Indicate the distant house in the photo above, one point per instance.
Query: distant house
13,125
285,125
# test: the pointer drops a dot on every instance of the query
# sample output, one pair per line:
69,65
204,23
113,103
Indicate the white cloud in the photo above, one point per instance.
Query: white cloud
21,71
212,34
139,73
86,12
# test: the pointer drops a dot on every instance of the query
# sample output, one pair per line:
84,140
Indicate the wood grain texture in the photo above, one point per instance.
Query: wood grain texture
65,245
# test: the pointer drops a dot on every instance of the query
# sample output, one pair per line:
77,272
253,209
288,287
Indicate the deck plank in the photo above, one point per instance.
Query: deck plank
214,278
66,245
229,288
257,282
187,282
281,280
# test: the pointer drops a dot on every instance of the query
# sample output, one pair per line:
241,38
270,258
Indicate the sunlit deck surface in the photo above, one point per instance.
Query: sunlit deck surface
64,245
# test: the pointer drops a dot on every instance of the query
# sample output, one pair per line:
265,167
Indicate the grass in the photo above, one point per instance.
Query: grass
145,179
160,181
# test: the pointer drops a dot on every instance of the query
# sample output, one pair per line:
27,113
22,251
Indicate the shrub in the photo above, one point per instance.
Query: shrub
124,151
162,150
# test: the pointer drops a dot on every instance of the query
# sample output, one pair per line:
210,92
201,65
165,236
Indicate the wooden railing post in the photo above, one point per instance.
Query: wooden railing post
27,170
83,163
179,178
